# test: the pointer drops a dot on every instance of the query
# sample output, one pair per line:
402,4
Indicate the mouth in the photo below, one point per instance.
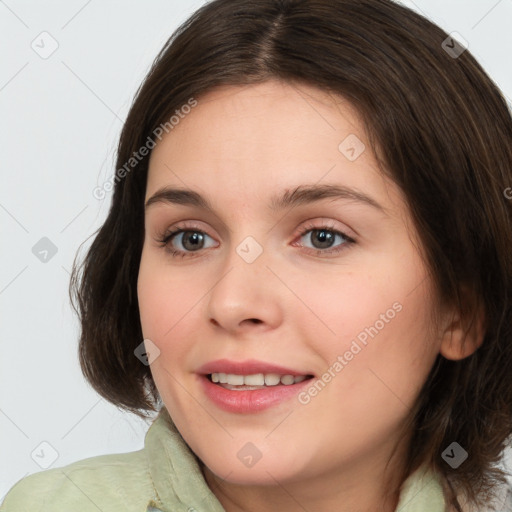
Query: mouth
250,386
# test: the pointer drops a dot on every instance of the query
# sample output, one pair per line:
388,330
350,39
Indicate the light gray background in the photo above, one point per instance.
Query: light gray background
61,117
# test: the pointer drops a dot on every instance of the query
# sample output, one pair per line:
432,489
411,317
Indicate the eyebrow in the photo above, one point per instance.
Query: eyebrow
302,194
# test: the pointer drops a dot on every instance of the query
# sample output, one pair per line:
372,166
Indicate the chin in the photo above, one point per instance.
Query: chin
251,476
265,471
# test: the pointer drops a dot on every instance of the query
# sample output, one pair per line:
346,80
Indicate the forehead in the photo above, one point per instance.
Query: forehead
247,142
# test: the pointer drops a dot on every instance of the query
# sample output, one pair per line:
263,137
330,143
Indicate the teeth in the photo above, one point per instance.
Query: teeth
252,380
287,379
257,379
272,379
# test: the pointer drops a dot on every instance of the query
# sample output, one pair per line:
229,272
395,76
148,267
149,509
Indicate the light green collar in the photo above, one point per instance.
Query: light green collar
422,492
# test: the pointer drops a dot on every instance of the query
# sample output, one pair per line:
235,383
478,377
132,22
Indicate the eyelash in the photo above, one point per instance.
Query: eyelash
166,237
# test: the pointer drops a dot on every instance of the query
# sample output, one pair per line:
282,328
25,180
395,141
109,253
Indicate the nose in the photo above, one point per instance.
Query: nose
246,297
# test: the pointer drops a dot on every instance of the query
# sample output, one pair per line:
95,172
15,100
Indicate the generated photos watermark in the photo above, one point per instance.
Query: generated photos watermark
100,192
356,346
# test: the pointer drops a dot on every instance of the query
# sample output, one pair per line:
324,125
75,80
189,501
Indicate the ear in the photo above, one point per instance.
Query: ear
464,330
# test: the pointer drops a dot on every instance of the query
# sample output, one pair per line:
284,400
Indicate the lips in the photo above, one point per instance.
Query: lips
243,398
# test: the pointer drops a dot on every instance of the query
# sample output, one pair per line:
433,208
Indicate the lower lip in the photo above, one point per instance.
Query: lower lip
252,400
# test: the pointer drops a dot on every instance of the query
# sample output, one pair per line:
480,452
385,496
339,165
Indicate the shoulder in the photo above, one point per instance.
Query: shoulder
106,483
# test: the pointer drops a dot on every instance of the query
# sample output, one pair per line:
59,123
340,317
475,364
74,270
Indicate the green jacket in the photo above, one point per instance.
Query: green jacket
163,476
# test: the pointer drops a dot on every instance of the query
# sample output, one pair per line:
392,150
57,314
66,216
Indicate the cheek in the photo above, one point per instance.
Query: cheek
168,317
337,308
372,326
166,305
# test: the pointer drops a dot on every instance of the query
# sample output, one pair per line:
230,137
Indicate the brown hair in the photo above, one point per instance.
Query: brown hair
443,132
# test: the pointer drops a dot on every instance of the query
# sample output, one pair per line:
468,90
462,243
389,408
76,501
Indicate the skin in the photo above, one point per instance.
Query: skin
238,147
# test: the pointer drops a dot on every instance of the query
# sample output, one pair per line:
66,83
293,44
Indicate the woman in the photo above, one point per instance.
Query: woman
306,268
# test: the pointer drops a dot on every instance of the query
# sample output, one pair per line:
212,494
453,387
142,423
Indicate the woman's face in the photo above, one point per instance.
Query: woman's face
306,261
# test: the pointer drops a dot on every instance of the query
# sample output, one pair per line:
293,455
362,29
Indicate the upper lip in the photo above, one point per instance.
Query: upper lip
248,367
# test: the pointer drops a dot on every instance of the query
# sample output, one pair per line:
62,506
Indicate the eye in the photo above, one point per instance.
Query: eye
324,237
191,239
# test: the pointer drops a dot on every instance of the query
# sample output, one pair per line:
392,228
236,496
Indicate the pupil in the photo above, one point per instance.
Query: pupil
193,236
325,237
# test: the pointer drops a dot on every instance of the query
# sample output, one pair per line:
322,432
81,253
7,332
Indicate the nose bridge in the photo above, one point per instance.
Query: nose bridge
249,249
249,238
245,289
